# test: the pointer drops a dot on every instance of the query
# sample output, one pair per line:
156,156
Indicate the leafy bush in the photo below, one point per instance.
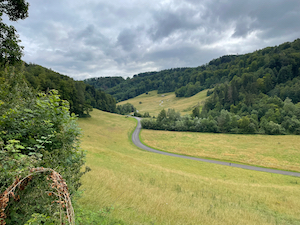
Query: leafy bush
37,130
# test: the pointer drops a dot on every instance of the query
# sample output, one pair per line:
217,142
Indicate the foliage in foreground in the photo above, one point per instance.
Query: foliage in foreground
37,130
57,189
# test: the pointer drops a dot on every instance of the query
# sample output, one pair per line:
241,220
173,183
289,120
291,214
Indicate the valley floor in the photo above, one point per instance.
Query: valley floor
148,188
272,151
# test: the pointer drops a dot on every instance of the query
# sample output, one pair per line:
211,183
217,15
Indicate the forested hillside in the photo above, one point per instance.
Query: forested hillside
104,83
255,93
268,67
82,97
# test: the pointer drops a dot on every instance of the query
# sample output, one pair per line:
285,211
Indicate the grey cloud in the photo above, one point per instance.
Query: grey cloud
92,37
243,28
125,37
249,16
182,56
167,22
81,55
87,32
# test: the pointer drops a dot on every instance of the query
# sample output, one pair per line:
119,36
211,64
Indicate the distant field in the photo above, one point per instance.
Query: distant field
154,103
148,188
279,152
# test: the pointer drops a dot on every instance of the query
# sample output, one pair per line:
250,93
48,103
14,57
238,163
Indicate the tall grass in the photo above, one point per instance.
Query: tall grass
274,151
147,188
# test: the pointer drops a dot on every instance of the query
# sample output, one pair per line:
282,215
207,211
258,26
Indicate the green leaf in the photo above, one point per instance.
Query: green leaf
19,147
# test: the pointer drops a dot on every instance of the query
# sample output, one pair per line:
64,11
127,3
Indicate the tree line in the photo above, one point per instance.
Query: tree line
270,115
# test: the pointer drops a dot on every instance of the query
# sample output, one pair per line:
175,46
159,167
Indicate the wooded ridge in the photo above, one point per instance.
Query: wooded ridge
270,68
252,93
81,96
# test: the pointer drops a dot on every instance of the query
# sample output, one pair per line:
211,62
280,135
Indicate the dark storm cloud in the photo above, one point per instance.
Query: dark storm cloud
168,58
168,22
250,16
124,37
127,39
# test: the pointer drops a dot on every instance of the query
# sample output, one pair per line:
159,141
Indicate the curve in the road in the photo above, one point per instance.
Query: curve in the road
138,143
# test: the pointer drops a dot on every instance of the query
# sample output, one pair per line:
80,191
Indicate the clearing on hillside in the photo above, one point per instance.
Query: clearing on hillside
154,103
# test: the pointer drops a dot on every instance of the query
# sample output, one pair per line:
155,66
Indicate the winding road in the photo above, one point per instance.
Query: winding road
138,143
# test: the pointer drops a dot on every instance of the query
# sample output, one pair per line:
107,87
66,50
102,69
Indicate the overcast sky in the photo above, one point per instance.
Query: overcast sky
94,38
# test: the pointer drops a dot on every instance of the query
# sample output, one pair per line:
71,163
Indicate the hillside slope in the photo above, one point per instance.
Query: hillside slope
154,102
81,96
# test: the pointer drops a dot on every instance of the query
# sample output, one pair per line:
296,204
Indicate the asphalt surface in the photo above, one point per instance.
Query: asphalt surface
138,143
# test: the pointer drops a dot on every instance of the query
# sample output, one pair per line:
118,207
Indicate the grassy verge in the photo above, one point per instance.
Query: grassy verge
147,188
278,152
154,103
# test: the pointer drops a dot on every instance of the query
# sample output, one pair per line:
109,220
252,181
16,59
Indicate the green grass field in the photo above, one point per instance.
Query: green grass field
278,151
154,103
148,188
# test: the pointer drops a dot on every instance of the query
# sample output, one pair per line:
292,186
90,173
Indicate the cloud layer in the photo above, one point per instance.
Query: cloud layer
94,38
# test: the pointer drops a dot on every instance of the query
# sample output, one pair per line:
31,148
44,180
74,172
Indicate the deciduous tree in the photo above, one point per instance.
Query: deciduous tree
10,50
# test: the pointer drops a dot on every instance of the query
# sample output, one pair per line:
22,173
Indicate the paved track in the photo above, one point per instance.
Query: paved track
138,143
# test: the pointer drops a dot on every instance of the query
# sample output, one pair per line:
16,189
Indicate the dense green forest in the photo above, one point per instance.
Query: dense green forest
269,115
81,96
271,65
257,93
104,83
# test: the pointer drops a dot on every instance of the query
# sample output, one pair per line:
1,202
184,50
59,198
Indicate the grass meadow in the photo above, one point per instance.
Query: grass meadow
154,103
273,151
148,188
